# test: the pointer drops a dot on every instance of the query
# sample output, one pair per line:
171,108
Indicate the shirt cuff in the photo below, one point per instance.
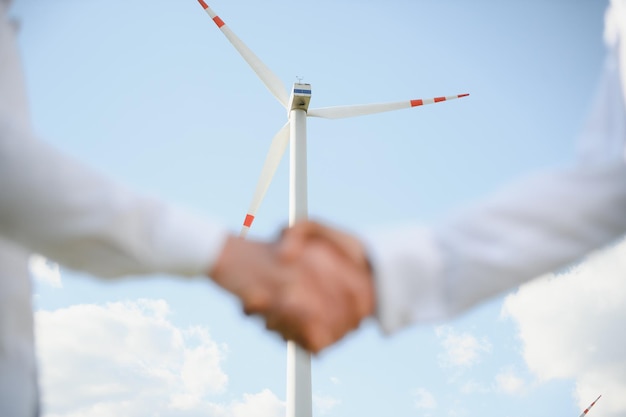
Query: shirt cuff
407,269
189,243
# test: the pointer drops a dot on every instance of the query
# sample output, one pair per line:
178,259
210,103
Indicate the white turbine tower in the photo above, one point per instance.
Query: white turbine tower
299,402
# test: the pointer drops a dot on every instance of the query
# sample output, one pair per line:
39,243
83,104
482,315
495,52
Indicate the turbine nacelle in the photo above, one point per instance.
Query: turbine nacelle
300,97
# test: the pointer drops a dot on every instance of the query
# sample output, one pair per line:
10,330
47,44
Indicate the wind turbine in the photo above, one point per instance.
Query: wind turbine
299,402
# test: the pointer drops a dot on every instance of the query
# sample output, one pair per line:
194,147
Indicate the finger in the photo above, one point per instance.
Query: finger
257,303
290,246
273,324
352,282
317,339
288,313
332,296
360,292
311,335
351,290
293,331
297,317
295,238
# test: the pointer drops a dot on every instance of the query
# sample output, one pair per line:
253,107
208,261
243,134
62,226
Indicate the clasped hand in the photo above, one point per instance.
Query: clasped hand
313,285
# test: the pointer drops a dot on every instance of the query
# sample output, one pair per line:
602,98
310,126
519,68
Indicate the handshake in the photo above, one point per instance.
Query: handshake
312,286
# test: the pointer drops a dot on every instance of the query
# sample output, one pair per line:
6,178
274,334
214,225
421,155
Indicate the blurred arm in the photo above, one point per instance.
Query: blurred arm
544,222
536,226
54,205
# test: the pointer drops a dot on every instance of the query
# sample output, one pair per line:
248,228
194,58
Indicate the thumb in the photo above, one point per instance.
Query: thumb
295,238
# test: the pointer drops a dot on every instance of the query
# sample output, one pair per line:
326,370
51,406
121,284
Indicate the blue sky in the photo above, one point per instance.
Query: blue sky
155,96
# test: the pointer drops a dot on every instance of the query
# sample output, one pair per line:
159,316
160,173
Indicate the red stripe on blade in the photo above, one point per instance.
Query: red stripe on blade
248,221
415,103
219,22
203,4
438,99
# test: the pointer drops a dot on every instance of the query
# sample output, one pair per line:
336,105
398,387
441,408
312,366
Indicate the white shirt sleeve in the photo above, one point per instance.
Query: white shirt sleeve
54,205
544,222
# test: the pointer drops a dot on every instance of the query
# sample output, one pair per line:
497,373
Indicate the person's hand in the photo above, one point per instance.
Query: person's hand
250,270
310,288
334,297
294,238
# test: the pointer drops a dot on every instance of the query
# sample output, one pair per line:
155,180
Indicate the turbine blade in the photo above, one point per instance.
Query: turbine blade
339,112
589,408
271,80
274,155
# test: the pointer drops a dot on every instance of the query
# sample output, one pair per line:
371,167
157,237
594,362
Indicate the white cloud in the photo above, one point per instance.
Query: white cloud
263,404
615,35
474,387
571,326
127,359
509,382
45,271
424,399
614,23
460,349
325,403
